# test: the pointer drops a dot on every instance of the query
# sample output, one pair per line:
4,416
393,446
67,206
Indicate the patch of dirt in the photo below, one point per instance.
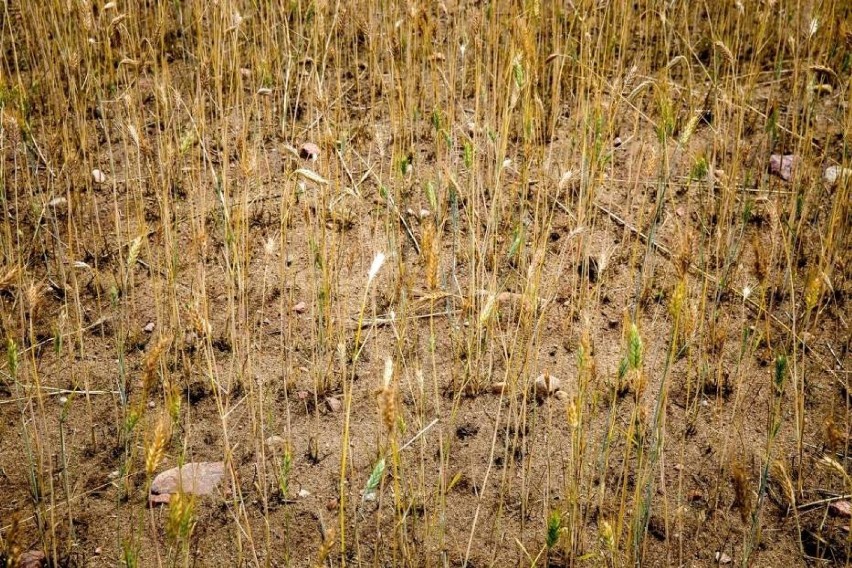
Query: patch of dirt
256,278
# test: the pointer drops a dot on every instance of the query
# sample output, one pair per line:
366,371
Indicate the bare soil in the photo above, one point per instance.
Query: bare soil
477,485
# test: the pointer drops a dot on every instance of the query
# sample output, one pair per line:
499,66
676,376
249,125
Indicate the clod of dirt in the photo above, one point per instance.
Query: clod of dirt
657,528
782,166
835,174
841,509
98,176
309,151
695,496
561,395
31,559
190,339
466,431
197,478
300,308
723,558
497,388
196,392
547,385
333,404
511,304
275,444
419,215
509,298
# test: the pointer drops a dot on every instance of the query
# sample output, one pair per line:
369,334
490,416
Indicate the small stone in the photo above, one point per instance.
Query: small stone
302,395
617,142
300,308
497,388
333,404
264,91
424,213
782,166
57,202
304,493
309,151
331,505
245,72
833,174
99,176
841,509
546,384
723,558
151,404
63,399
197,478
561,395
371,496
149,327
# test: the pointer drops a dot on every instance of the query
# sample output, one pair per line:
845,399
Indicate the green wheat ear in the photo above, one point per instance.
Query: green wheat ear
622,368
12,354
554,526
634,348
375,479
780,372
